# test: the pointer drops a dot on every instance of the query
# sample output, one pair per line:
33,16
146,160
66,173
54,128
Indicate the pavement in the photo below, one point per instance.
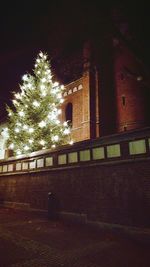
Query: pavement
31,240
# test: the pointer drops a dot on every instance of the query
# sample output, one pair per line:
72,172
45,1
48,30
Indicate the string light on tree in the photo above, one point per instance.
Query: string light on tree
42,124
26,148
34,121
11,146
36,103
31,130
21,113
42,142
17,130
25,127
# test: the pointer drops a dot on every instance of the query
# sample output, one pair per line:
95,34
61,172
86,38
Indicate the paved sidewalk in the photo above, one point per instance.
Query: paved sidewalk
28,240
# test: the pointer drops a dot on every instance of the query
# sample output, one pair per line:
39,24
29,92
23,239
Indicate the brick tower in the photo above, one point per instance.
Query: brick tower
112,93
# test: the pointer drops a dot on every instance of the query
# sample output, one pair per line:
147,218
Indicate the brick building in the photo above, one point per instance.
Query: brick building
107,90
107,87
111,93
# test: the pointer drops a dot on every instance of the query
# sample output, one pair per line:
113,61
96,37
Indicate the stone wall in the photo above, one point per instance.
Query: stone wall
108,180
111,193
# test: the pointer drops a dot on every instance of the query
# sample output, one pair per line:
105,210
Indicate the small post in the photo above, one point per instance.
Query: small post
51,206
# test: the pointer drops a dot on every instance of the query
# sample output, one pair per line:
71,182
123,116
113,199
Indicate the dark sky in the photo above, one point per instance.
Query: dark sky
28,27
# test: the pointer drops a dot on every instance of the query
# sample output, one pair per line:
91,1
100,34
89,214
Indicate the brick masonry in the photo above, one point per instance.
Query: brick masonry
77,95
113,192
130,85
115,91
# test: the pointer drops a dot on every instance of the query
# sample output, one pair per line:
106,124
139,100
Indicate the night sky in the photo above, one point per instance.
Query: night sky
29,27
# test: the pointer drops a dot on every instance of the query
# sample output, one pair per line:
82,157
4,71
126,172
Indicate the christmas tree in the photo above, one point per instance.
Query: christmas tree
34,118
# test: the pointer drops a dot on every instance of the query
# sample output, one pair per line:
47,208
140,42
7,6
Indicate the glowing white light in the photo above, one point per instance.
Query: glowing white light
41,54
30,141
38,60
52,116
42,142
17,130
11,146
31,130
22,87
139,78
18,96
35,65
55,138
22,93
42,86
43,93
29,85
54,91
62,87
36,103
57,122
26,148
25,127
38,72
18,152
59,111
21,113
25,77
45,57
65,123
10,113
15,101
61,100
53,146
42,124
71,142
48,71
55,84
5,132
59,96
43,80
66,131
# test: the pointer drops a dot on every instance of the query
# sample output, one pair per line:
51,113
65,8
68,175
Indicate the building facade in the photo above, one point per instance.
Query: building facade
3,138
112,94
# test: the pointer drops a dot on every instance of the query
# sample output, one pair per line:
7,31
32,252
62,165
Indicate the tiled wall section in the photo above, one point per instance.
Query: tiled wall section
93,153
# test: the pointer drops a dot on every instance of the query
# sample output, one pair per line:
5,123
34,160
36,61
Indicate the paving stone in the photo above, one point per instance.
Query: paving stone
29,241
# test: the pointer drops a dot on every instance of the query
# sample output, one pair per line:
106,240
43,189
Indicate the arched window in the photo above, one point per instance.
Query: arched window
68,114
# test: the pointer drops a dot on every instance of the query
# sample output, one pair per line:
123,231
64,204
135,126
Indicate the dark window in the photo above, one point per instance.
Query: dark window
68,114
123,100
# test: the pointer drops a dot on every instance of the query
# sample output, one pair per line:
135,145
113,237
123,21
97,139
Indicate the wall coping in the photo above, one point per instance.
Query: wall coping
114,149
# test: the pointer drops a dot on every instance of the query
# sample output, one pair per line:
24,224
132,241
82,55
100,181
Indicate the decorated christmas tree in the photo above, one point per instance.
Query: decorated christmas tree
34,117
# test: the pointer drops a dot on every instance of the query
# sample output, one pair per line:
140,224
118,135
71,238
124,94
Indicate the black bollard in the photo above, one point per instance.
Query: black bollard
51,206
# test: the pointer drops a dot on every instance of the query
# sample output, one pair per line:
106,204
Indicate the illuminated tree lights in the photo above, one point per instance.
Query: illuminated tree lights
34,119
